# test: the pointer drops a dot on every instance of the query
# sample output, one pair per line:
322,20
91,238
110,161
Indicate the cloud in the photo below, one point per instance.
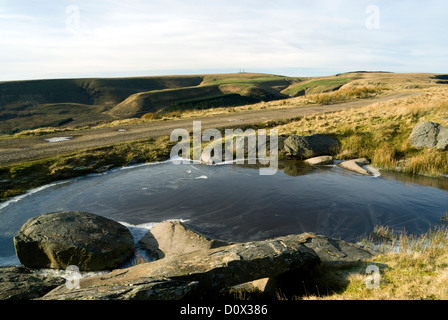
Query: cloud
131,36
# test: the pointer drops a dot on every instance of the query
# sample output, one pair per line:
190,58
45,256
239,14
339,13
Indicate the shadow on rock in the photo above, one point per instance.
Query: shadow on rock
295,168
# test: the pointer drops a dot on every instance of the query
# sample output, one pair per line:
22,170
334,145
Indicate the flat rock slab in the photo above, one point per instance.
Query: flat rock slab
88,241
144,288
320,161
174,237
336,251
19,283
356,166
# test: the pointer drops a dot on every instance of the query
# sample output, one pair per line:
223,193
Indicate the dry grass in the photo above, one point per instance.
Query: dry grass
366,85
380,132
344,95
411,267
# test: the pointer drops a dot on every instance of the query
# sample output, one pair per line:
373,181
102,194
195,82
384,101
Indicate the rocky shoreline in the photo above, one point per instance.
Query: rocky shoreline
187,265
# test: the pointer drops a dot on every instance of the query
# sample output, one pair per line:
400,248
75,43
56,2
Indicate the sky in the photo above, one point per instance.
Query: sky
76,39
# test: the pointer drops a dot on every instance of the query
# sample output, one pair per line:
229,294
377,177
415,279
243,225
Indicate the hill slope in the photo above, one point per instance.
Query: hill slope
214,91
40,103
43,103
84,102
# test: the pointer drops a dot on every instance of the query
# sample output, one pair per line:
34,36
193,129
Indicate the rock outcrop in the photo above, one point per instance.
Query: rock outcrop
331,252
213,269
356,166
302,147
174,237
190,265
142,288
57,240
429,134
19,283
335,251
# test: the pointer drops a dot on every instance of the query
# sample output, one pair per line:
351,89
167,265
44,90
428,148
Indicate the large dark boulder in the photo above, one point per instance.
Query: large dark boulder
88,241
305,147
429,134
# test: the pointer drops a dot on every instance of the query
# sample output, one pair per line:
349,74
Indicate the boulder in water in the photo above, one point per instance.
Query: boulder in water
305,147
88,241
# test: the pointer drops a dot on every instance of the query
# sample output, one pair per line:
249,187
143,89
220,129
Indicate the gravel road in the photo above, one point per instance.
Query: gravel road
20,149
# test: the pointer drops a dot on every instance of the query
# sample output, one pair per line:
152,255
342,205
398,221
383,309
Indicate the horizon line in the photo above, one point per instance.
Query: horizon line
128,75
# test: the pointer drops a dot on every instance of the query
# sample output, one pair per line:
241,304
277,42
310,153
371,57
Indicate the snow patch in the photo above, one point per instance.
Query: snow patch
58,139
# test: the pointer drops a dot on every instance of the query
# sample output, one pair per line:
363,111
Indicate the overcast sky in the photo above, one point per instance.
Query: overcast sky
79,38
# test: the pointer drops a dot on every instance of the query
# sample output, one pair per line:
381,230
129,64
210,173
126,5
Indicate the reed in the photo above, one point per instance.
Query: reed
411,267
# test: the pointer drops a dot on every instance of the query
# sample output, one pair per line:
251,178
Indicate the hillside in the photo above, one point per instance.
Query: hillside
75,103
78,102
214,91
41,103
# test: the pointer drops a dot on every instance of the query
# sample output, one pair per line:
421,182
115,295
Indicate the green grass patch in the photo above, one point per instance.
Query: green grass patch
221,101
343,95
317,86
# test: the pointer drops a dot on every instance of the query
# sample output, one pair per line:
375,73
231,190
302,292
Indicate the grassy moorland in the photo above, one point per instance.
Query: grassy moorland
75,103
42,103
378,132
411,267
317,86
62,103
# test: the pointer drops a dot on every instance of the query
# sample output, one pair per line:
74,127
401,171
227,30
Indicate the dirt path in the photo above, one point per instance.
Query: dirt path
17,150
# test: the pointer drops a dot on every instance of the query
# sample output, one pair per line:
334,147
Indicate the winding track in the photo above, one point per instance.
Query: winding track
20,149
